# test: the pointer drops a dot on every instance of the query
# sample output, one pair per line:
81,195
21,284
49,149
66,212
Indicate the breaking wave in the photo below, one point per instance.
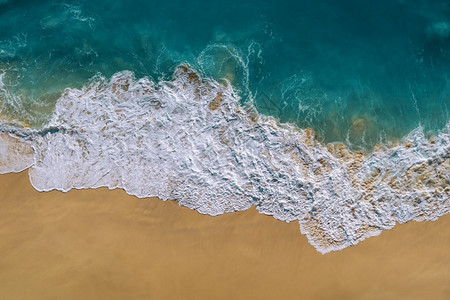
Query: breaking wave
189,140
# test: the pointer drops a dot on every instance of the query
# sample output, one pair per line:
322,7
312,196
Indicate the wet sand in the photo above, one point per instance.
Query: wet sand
101,244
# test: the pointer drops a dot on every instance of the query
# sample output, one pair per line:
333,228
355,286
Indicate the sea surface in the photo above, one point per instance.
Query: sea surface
334,114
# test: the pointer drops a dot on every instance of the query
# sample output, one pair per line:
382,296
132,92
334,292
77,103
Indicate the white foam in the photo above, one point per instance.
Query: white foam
189,140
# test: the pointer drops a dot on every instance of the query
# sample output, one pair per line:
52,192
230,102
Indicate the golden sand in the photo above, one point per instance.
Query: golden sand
101,244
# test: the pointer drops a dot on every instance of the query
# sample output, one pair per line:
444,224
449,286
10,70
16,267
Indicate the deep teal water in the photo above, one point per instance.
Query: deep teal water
359,72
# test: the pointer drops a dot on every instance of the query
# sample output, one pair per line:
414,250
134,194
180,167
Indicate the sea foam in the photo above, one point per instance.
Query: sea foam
190,140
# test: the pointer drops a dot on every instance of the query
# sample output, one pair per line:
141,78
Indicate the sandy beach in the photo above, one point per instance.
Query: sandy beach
101,244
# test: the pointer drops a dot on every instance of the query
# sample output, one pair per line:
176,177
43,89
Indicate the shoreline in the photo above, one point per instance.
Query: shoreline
340,197
103,243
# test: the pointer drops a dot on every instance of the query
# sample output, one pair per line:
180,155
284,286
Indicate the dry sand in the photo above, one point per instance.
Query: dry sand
101,244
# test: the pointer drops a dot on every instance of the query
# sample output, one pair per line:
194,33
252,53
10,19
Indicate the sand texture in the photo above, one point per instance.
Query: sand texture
101,244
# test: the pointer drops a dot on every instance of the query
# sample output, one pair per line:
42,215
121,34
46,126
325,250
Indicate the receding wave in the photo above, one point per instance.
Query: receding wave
190,140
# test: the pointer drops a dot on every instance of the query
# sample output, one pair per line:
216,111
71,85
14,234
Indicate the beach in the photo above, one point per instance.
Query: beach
102,244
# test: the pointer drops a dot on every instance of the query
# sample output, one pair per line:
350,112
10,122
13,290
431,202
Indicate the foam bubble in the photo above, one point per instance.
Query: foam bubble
189,140
2,75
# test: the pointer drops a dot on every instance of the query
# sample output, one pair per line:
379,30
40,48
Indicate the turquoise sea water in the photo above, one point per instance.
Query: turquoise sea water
359,72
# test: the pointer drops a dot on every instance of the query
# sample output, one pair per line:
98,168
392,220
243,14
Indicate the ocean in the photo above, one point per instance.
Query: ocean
334,114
